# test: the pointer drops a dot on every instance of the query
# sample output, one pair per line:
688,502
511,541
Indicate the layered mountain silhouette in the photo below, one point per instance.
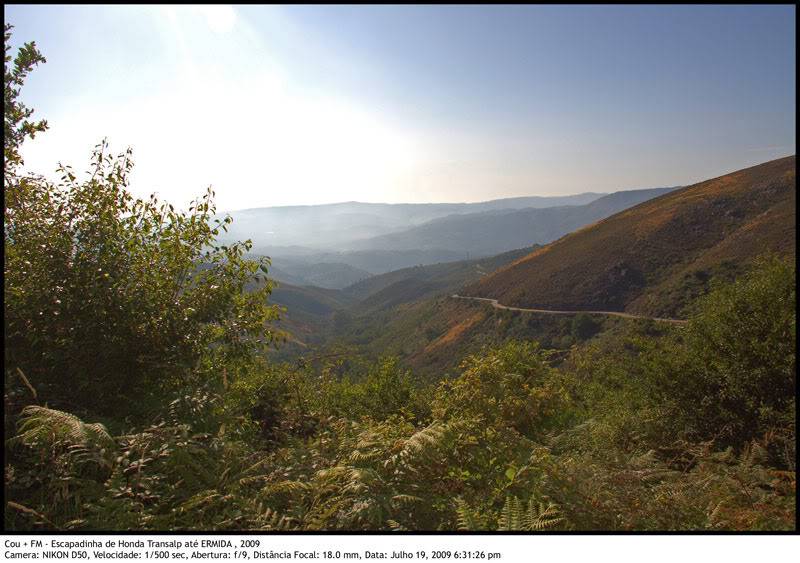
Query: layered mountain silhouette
329,245
329,226
492,232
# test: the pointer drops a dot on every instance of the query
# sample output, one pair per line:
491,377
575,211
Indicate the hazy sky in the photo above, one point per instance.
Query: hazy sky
307,104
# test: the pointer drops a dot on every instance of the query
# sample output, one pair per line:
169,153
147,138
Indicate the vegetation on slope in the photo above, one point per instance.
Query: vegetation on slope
655,257
434,278
602,442
327,275
315,317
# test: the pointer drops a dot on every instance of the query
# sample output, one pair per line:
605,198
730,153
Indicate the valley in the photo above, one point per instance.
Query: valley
646,263
574,311
329,248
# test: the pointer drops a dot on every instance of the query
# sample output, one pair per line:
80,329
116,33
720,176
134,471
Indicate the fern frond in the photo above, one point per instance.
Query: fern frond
406,499
532,516
276,521
40,425
511,516
467,519
287,487
24,509
426,438
541,516
199,500
364,457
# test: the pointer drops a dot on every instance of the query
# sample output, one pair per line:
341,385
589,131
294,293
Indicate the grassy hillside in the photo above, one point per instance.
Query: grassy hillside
409,284
310,300
311,304
432,335
655,257
305,315
375,311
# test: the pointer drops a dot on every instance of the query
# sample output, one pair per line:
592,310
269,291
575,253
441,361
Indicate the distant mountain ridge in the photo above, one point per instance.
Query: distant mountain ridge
495,231
340,254
329,226
320,271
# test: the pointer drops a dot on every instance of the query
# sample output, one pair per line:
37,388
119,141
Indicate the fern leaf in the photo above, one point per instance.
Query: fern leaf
42,425
467,519
532,516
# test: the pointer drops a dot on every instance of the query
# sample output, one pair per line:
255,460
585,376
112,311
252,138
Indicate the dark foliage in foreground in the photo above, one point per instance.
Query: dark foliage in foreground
603,442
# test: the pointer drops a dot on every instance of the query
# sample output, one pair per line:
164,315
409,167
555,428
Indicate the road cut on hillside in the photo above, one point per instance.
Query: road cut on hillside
497,305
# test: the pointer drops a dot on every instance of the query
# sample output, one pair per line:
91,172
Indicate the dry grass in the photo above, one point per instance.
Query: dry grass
620,262
455,332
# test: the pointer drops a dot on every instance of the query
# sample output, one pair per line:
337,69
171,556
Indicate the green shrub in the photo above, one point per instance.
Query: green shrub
584,326
108,296
511,385
730,374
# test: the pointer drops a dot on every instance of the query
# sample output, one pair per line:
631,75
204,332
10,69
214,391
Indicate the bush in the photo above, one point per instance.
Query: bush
110,299
731,373
508,386
584,326
108,296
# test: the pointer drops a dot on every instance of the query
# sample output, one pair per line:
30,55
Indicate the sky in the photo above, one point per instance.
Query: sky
298,105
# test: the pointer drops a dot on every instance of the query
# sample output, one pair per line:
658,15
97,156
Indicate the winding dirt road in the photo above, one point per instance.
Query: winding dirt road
497,305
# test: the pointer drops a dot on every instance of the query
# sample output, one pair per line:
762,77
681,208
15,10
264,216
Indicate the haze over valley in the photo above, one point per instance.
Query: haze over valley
333,246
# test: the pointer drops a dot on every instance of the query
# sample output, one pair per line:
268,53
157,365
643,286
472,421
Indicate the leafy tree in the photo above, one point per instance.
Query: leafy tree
16,126
110,299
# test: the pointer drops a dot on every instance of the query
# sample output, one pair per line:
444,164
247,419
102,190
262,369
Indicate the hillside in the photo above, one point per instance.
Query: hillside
305,316
328,266
314,315
492,232
655,257
308,300
421,281
324,274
